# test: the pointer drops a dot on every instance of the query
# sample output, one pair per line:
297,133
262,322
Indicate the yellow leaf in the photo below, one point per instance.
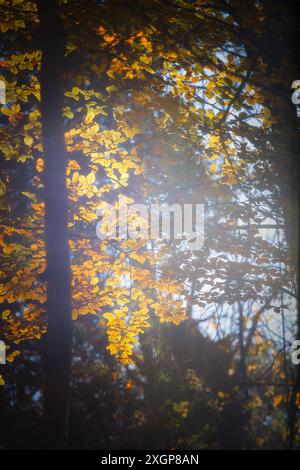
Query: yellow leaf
28,140
90,116
213,168
210,114
108,316
39,165
90,178
5,314
111,88
278,399
2,188
145,59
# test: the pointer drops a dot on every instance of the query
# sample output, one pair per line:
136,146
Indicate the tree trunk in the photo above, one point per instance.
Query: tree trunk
59,334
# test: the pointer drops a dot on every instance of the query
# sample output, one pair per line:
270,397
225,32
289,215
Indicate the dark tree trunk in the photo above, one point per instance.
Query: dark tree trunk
59,334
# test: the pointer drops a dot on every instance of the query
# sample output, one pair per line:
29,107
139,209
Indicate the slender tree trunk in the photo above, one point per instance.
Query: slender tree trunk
59,334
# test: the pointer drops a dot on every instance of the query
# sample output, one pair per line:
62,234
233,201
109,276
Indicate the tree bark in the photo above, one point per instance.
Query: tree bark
58,343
